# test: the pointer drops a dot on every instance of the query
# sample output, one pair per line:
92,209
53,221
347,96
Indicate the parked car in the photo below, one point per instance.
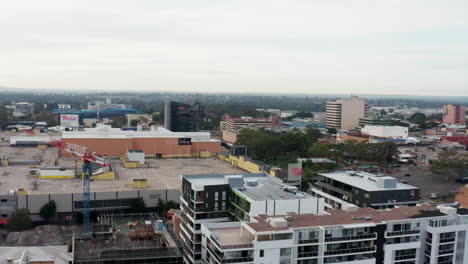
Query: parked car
407,174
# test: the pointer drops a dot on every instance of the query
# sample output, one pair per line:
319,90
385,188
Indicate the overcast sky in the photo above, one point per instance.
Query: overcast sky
332,46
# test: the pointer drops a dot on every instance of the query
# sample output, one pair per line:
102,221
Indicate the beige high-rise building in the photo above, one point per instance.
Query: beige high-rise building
344,114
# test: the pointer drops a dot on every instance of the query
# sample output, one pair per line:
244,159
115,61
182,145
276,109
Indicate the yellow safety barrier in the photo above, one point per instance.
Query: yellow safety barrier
140,183
21,191
131,164
242,163
110,175
205,154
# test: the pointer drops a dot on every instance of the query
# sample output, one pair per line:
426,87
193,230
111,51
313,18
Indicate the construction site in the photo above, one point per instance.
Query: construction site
34,171
134,238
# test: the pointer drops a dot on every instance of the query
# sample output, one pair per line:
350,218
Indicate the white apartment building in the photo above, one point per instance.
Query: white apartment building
217,198
344,114
396,132
420,234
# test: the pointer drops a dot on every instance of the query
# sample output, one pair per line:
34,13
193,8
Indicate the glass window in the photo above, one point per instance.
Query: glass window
223,206
216,206
284,252
216,196
224,195
262,253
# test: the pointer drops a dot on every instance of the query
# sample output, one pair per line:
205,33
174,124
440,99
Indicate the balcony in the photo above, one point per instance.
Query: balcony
405,257
446,252
308,241
447,240
403,233
237,260
307,254
350,251
249,245
347,238
224,259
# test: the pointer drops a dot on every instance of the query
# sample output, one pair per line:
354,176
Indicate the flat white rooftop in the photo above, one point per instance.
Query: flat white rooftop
105,131
366,181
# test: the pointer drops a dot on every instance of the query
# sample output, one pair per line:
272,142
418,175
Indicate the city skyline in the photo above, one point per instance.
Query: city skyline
324,47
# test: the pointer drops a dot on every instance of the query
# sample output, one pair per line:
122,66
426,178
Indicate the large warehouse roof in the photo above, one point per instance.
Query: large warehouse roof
160,132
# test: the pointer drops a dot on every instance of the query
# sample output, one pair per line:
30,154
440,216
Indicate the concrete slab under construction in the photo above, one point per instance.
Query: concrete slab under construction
160,173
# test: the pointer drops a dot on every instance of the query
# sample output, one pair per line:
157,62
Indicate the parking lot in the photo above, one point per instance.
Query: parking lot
421,176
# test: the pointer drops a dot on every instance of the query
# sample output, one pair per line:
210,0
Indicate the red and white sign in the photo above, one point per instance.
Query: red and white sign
69,120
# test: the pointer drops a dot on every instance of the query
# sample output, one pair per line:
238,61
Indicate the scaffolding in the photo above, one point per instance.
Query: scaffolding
114,241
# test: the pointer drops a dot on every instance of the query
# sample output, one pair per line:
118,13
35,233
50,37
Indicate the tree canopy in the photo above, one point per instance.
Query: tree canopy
450,164
270,147
19,220
48,210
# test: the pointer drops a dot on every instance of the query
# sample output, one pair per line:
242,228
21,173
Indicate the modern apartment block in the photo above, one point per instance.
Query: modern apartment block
181,117
454,114
344,114
219,198
364,190
420,234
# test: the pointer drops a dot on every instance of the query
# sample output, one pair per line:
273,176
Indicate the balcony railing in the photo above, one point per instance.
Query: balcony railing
349,251
307,254
446,251
404,257
403,233
229,260
358,237
308,241
237,260
249,245
447,240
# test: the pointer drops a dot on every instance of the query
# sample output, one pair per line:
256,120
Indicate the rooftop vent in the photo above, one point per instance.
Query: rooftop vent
278,222
290,189
252,183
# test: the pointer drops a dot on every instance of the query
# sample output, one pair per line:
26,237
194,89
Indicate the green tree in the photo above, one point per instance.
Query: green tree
47,116
156,117
138,205
450,164
48,210
119,121
269,147
249,137
319,150
134,122
163,207
383,112
19,220
4,116
419,119
295,143
303,114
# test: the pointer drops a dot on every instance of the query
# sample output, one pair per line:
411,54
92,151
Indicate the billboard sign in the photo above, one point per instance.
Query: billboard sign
69,120
185,141
295,171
